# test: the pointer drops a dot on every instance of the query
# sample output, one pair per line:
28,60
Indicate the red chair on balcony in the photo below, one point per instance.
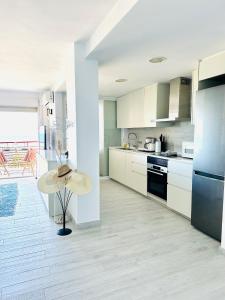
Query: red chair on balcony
3,163
29,161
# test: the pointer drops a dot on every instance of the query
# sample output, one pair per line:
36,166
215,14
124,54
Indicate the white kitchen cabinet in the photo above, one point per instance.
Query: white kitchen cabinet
142,107
130,111
179,188
212,66
129,169
209,67
183,182
123,112
137,172
150,105
136,109
180,167
179,200
117,165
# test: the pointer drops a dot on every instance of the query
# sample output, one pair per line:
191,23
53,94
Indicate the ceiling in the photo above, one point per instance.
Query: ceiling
182,31
35,35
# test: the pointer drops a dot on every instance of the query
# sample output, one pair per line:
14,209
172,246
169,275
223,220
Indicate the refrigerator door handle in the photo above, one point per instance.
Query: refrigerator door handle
209,176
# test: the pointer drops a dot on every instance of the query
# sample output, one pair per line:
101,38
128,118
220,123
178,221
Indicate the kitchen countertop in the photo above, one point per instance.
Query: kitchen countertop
177,158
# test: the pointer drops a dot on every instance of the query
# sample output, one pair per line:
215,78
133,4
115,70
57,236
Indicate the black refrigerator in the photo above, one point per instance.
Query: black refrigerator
209,158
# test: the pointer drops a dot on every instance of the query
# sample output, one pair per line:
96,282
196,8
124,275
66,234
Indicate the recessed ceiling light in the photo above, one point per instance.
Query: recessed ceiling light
158,59
121,80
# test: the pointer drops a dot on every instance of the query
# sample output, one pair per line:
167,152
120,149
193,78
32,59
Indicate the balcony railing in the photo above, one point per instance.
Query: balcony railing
18,159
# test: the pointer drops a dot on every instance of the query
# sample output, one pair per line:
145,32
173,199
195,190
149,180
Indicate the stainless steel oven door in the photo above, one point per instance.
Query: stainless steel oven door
157,183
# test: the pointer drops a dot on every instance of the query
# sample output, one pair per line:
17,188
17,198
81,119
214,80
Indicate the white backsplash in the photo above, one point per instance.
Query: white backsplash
175,135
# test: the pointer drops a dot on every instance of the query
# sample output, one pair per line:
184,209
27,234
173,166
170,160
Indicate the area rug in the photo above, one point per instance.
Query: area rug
8,199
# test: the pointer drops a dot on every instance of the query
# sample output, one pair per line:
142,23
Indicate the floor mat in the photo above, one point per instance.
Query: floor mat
8,199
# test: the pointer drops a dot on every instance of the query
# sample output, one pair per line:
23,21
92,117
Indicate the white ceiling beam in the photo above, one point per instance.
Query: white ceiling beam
112,19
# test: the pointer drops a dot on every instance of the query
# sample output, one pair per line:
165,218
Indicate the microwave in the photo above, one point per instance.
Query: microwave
188,150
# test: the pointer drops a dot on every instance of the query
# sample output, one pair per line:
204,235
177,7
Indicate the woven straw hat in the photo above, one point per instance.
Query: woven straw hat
63,171
54,180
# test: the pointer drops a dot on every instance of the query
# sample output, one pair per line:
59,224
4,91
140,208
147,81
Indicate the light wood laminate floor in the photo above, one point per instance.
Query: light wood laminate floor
141,251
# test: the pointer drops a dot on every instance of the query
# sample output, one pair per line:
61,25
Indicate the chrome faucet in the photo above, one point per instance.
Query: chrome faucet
134,144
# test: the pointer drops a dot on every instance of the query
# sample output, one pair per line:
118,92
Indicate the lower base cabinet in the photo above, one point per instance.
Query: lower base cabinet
117,166
139,183
179,200
179,188
129,169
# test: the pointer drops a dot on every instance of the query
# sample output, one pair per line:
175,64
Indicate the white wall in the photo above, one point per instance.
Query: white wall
60,118
175,135
71,110
18,99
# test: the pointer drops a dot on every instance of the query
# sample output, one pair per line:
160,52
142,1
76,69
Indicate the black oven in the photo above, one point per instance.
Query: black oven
157,176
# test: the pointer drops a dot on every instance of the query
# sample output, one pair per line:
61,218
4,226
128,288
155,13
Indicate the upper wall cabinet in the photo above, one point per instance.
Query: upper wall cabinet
123,112
208,67
212,66
142,107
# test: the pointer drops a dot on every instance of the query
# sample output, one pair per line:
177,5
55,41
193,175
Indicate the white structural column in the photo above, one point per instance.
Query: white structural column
83,135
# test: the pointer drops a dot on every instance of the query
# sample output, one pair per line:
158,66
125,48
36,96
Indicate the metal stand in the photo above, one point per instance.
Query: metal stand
64,231
64,201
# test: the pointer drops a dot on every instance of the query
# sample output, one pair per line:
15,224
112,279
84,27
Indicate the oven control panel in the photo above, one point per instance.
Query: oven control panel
157,161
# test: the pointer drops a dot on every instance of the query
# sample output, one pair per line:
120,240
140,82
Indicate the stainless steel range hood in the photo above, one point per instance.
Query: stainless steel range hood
179,100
